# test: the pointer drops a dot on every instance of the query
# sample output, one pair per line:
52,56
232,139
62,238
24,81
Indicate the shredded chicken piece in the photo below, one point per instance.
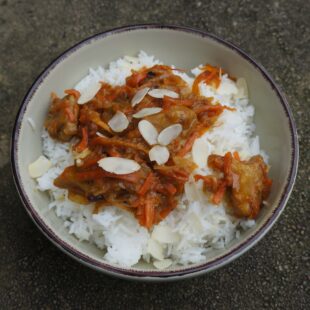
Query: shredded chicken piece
245,182
62,118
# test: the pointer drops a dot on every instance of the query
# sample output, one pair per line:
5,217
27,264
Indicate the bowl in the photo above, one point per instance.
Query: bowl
185,48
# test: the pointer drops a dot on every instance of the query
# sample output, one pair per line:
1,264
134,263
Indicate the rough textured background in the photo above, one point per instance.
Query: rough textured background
34,274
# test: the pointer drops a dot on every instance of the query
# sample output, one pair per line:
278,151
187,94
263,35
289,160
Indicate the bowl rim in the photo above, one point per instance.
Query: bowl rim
149,274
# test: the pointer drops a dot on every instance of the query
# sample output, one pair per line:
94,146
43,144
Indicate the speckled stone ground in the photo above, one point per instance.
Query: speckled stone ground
272,275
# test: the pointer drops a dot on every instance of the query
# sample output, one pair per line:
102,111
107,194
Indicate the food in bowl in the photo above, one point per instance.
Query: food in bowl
150,162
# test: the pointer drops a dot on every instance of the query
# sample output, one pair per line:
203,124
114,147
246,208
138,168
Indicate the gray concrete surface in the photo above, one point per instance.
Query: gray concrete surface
272,275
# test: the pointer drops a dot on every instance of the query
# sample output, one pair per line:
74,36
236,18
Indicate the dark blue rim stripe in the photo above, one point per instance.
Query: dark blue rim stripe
153,274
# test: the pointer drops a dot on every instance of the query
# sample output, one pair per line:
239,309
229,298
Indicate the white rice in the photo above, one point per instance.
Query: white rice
196,226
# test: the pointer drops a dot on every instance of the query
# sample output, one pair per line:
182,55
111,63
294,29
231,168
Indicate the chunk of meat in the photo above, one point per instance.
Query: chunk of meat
247,183
174,115
250,186
62,119
158,76
95,182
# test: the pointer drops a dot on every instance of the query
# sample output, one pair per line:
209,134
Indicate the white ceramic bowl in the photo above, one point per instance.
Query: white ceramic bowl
185,48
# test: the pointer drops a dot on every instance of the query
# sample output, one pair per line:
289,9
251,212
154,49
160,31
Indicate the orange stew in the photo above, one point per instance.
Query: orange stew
152,192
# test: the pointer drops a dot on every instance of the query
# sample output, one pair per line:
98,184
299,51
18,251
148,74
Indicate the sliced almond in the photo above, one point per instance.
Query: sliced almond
164,234
148,132
89,93
155,249
242,88
31,123
39,167
99,134
191,191
119,122
118,165
82,155
79,162
146,112
169,134
138,97
200,152
161,92
160,154
227,87
162,264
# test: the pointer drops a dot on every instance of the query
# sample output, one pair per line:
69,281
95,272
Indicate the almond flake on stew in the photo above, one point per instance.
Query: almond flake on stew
160,93
160,154
169,134
118,165
89,93
148,132
138,97
146,112
118,122
99,134
82,154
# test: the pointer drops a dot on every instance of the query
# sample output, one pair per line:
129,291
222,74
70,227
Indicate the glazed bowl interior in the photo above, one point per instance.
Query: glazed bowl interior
185,49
